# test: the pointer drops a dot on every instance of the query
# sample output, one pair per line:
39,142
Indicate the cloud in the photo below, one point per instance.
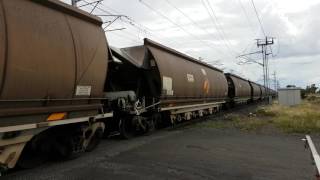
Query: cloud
294,23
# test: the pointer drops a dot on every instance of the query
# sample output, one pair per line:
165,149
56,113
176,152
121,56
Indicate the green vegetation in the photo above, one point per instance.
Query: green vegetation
304,118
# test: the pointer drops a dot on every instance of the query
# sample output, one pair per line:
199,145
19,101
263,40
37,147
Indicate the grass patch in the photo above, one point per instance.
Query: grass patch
304,118
249,124
241,122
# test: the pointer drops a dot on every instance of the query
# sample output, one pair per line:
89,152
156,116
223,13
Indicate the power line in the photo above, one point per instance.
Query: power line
174,23
188,17
215,21
132,23
125,19
260,23
246,15
219,27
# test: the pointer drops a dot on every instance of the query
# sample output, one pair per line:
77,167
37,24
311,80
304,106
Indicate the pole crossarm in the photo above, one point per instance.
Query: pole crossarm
257,52
90,3
247,59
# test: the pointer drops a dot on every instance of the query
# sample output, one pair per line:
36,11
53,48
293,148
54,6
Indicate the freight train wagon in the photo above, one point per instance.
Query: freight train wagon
240,90
168,84
53,64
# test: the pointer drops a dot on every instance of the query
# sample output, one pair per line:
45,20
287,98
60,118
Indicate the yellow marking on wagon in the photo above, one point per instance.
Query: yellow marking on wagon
206,86
57,116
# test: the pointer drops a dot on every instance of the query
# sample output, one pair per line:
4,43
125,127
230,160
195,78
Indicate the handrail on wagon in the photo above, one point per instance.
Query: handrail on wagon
314,154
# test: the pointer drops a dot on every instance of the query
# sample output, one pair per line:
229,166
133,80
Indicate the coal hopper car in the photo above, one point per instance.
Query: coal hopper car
263,92
167,83
239,89
53,62
256,92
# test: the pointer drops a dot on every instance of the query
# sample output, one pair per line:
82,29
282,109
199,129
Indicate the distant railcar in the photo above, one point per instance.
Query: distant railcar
256,92
264,92
239,89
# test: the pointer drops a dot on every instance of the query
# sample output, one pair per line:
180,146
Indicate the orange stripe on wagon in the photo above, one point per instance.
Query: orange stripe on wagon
57,116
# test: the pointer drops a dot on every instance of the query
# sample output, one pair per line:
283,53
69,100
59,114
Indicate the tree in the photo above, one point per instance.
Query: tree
311,89
291,86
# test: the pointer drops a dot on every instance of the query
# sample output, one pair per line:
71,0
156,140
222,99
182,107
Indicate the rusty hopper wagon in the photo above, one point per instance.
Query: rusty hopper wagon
169,82
256,92
53,61
239,89
263,92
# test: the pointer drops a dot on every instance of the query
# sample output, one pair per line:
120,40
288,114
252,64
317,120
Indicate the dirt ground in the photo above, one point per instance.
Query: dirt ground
191,152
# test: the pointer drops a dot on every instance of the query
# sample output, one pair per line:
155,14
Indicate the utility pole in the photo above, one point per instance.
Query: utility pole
264,43
275,81
246,59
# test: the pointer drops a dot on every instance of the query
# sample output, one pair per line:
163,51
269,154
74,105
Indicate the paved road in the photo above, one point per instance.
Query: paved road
193,153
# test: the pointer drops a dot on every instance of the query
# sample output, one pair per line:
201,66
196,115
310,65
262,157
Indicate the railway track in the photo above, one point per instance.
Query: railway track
178,126
215,116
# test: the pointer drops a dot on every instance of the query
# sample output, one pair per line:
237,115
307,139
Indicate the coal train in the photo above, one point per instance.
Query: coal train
62,87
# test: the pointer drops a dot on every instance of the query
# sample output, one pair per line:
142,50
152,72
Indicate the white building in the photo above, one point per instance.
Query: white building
289,96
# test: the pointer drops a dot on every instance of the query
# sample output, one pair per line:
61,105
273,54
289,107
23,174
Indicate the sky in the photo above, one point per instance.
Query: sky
218,31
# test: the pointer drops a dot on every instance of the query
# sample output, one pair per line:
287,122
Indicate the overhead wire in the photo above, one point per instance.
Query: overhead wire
196,24
215,21
143,28
220,30
258,17
246,16
129,22
178,25
139,27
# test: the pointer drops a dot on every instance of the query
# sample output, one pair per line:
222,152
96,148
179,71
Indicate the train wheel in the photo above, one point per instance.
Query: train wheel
179,118
126,128
95,140
157,119
36,151
69,147
142,125
152,125
31,157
